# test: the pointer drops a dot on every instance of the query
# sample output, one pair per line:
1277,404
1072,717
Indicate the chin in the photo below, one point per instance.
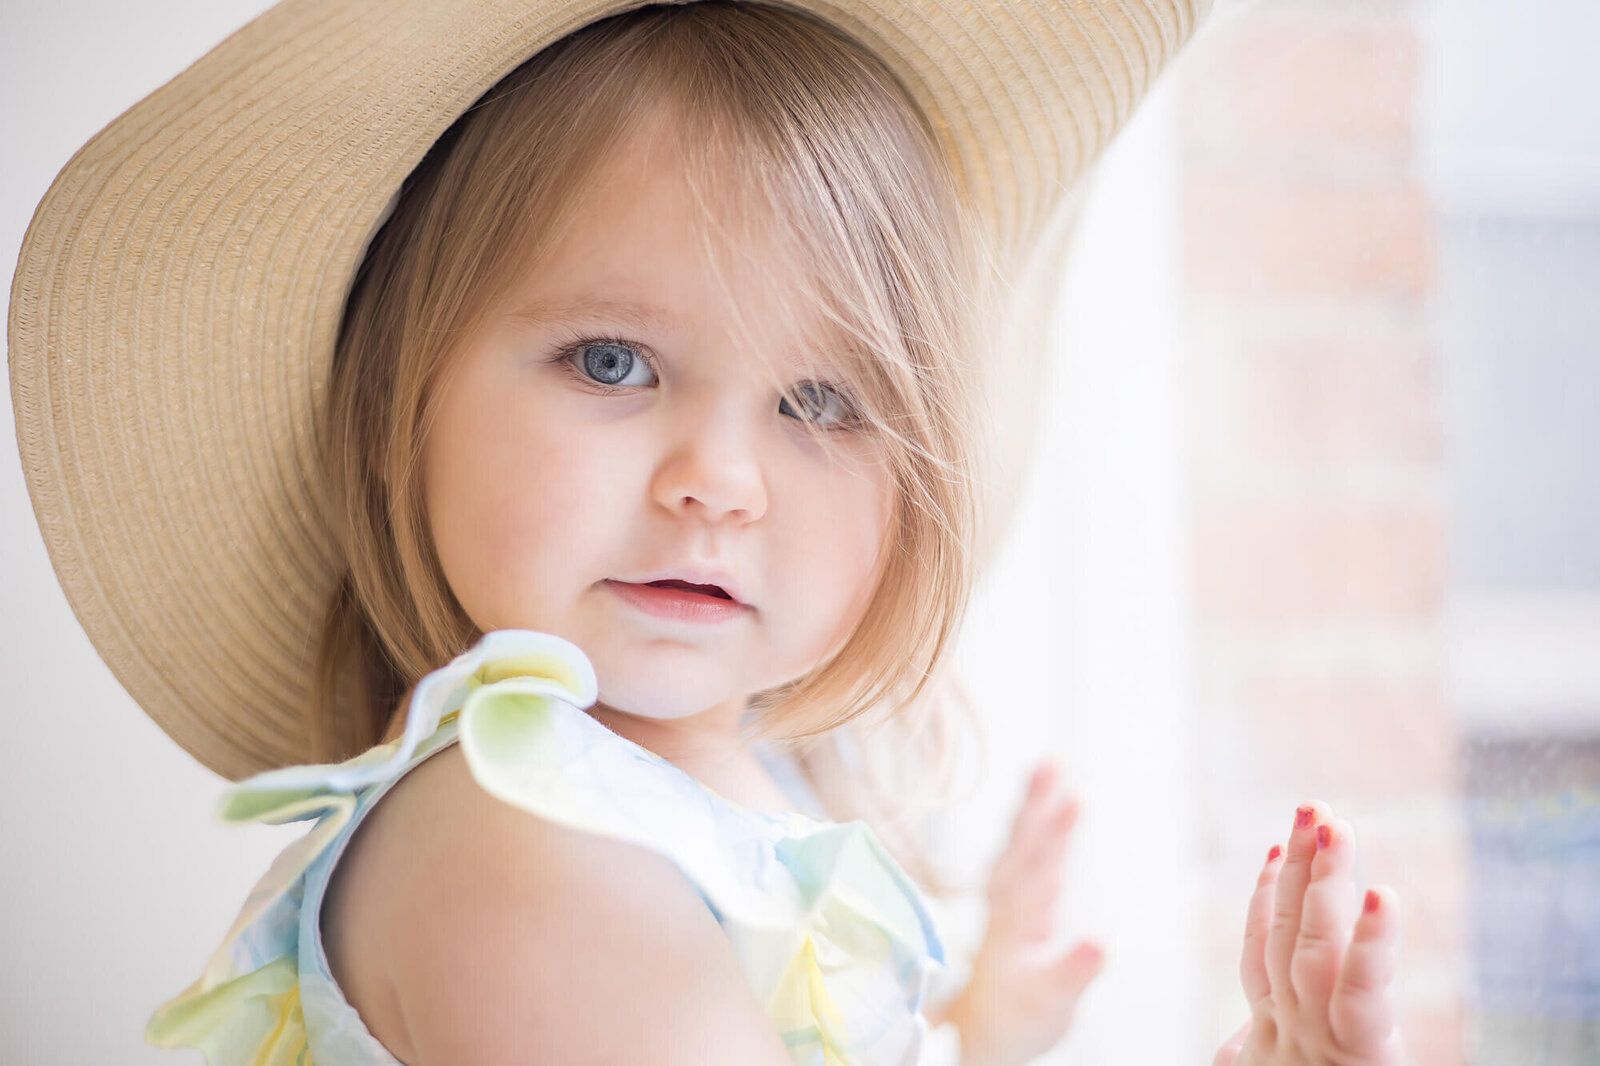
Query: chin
661,695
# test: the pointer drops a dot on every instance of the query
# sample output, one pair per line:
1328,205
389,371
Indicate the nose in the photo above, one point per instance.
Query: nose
713,469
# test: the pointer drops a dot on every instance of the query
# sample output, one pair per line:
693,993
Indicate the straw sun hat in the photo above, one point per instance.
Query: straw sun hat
177,296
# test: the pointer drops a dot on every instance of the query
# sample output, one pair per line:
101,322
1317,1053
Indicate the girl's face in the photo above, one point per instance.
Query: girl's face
607,430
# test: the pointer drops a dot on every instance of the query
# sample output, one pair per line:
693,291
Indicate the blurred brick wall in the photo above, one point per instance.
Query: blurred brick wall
1315,474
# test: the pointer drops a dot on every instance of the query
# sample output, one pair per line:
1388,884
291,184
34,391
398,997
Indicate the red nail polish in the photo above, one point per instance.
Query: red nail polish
1303,816
1370,904
1324,836
1273,855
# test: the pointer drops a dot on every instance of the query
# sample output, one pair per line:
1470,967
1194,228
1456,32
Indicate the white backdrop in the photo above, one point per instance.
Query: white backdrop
115,883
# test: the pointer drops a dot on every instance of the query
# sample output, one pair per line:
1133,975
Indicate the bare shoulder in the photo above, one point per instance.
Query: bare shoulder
466,931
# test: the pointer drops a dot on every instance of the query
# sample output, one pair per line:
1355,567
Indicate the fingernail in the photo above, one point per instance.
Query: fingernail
1370,904
1303,816
1324,836
1274,855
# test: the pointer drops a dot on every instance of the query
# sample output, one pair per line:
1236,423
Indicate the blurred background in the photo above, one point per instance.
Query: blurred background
1315,517
1309,518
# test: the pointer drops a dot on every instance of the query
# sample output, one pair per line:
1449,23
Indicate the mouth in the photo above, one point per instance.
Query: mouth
678,600
716,591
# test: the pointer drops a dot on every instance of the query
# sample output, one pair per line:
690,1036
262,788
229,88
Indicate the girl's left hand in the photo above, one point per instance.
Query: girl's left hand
1315,969
1017,1004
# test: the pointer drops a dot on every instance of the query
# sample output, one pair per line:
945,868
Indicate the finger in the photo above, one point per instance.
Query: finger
1025,885
1026,879
1253,963
1026,821
1048,844
1039,834
1328,910
1230,1049
1072,973
1292,881
1361,1012
1043,777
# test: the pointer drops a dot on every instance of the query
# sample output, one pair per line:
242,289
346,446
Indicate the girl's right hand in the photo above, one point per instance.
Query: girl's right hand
1020,999
1316,973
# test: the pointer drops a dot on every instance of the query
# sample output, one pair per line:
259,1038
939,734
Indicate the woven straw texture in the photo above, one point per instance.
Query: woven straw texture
179,289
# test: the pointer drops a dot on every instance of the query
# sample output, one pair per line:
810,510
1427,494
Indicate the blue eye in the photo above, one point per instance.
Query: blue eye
612,363
818,404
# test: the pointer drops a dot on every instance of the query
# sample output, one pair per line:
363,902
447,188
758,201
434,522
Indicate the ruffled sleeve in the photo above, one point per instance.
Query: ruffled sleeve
834,938
245,1008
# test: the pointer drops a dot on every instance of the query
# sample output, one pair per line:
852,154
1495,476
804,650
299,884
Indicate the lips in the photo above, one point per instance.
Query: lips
678,600
713,581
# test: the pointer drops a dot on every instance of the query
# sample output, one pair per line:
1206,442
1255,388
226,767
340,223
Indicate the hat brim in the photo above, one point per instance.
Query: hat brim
178,293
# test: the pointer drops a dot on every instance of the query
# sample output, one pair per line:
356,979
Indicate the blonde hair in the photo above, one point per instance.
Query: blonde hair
824,152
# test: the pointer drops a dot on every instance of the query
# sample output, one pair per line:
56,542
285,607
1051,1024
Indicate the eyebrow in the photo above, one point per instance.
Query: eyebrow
640,314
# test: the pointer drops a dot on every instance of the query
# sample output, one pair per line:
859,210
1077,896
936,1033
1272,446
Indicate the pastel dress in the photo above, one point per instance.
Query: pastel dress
834,938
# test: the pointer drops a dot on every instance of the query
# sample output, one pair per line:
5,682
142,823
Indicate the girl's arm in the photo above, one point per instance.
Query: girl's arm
511,940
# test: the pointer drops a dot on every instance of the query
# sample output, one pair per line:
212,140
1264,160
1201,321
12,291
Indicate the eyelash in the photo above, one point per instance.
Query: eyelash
567,355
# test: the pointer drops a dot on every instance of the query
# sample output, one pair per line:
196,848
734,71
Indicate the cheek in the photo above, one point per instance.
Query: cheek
499,492
869,538
840,544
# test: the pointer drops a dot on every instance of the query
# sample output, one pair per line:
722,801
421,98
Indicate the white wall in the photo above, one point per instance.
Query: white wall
115,884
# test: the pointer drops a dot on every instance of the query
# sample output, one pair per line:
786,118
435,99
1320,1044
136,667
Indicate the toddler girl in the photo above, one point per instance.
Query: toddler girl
650,468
